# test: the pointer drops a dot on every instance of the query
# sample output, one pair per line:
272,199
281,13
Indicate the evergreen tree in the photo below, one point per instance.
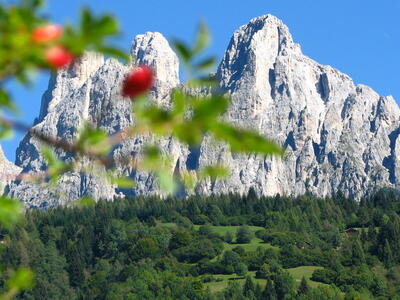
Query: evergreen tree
228,237
75,266
303,288
388,258
284,284
358,256
248,287
258,293
244,235
240,269
269,291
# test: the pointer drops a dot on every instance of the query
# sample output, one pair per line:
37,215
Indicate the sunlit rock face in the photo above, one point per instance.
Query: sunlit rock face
8,171
337,135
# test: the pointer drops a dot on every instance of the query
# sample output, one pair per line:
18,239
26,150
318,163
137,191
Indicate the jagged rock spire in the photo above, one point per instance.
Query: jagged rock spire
337,135
152,49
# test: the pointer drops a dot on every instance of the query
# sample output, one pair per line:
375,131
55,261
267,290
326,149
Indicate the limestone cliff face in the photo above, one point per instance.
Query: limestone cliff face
8,171
337,135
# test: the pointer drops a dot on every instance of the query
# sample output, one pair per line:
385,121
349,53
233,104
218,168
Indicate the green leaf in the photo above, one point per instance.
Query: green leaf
188,132
214,171
123,182
55,166
86,20
86,202
182,50
189,180
209,108
166,181
6,132
93,139
205,64
202,40
179,100
242,140
6,102
152,159
10,211
22,279
32,4
106,25
159,120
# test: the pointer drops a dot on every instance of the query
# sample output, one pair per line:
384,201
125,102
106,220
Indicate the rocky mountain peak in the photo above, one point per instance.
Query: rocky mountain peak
338,136
152,49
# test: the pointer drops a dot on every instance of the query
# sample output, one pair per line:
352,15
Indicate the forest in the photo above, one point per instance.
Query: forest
216,247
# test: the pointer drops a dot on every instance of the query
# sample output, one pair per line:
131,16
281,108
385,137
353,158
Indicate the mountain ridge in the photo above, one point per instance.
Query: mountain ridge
338,136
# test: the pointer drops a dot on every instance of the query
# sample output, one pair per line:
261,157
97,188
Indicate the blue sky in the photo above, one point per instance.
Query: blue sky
359,37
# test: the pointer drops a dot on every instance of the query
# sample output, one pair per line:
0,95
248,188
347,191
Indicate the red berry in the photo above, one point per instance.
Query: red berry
137,81
47,33
57,56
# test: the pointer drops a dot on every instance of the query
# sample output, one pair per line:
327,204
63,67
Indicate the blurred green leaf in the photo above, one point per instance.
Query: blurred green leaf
92,35
242,140
106,25
158,120
202,39
166,181
86,20
189,180
123,182
6,101
205,64
93,139
55,166
209,108
179,102
10,211
21,280
188,132
152,159
182,50
32,4
86,202
6,132
214,172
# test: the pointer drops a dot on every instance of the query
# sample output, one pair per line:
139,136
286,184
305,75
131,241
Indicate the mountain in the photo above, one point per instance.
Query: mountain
338,136
9,171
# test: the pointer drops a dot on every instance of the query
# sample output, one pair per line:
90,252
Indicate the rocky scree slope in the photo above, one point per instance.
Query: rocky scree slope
337,135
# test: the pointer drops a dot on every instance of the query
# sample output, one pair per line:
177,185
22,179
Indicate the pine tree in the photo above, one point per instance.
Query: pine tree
303,288
269,291
244,235
284,284
258,293
75,266
248,288
388,258
358,256
372,234
228,237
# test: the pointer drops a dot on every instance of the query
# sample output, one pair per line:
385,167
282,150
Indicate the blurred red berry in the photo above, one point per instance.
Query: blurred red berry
57,56
137,81
47,33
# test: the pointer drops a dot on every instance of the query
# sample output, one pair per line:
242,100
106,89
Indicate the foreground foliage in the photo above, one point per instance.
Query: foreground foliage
30,42
225,247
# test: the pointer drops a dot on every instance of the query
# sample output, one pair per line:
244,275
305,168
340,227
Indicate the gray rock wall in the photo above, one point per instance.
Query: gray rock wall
337,135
